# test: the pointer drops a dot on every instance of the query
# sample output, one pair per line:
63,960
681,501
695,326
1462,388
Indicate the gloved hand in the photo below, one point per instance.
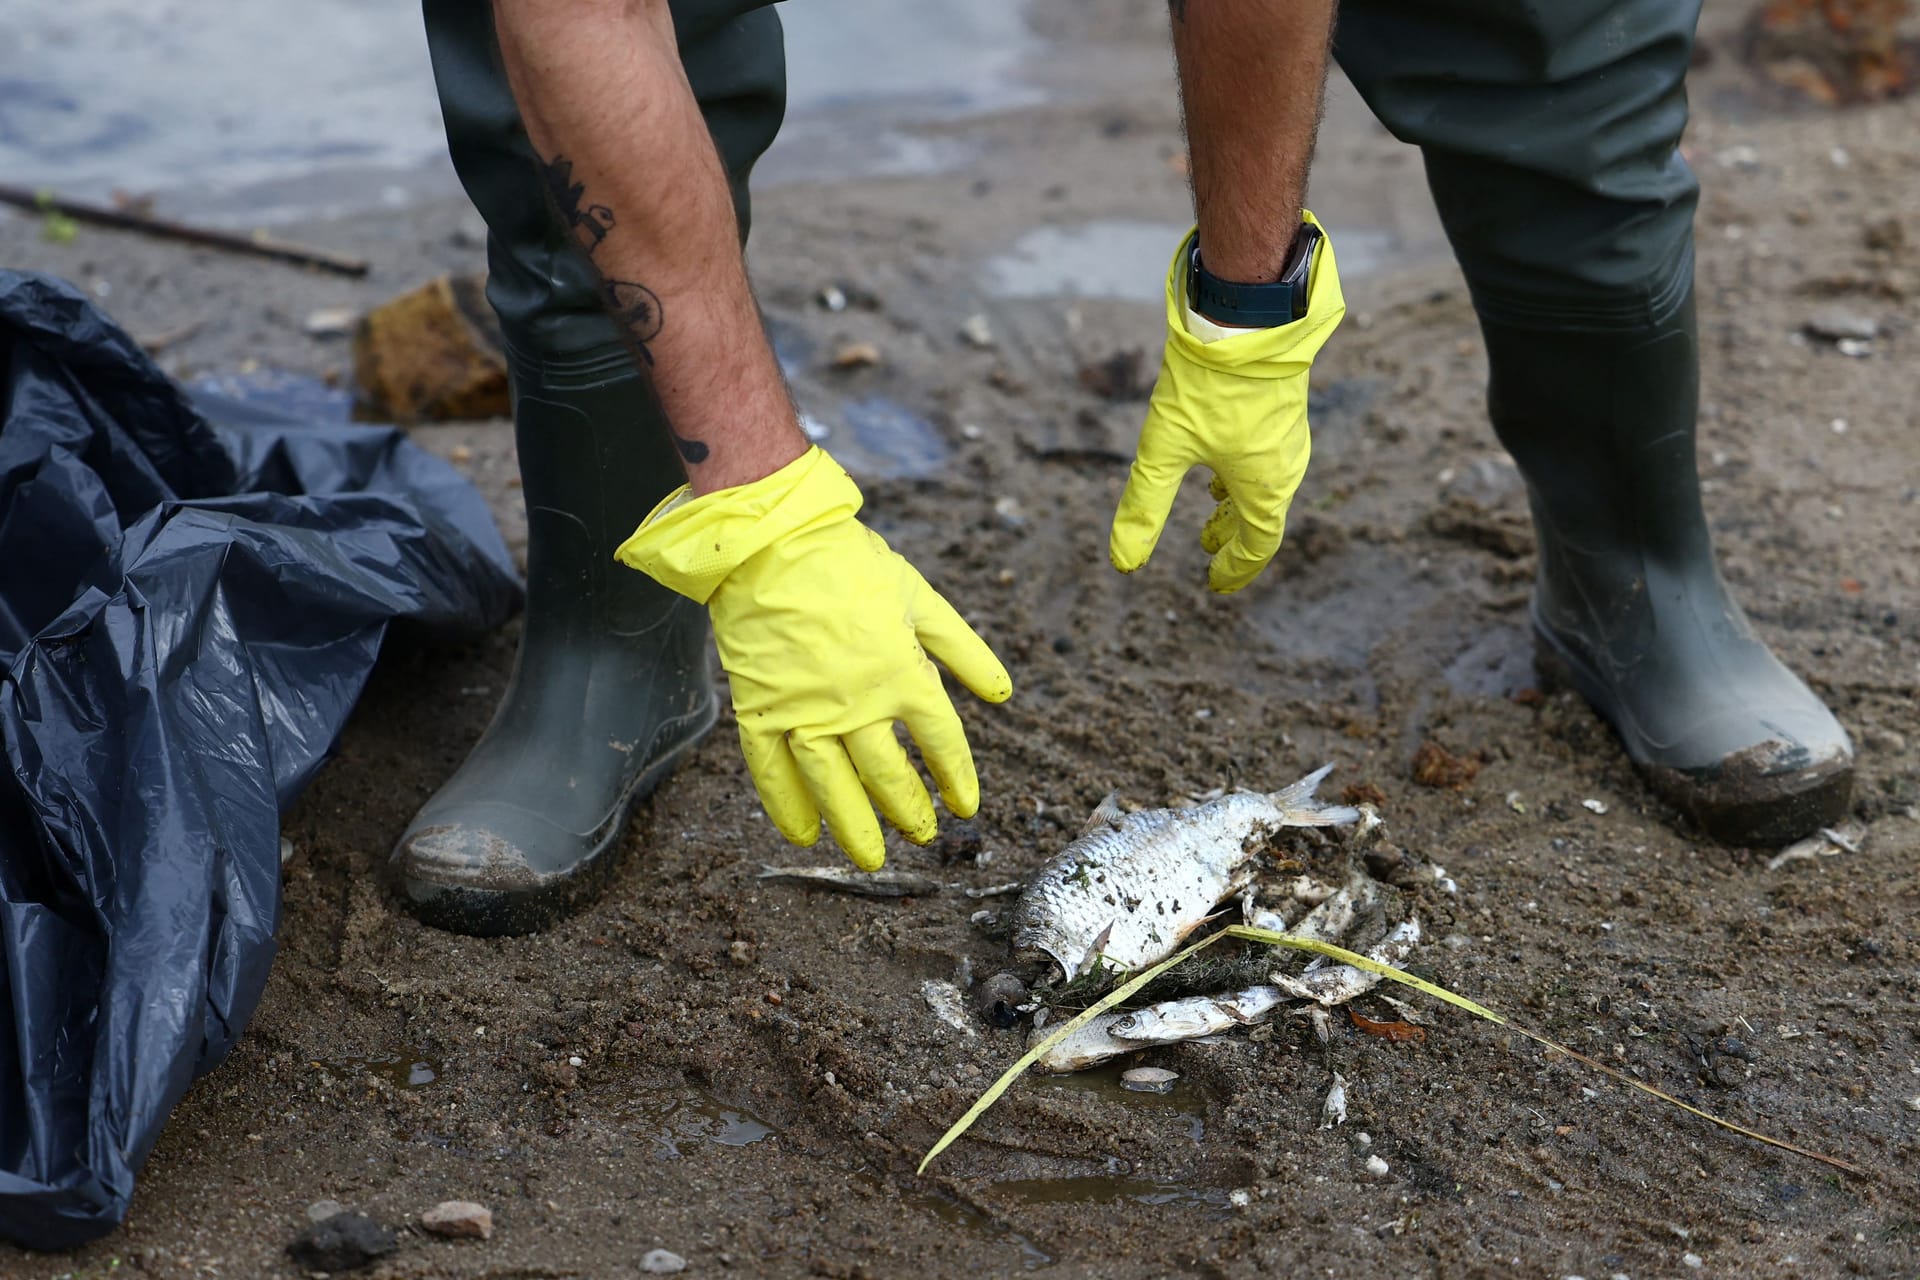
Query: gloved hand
1239,406
825,633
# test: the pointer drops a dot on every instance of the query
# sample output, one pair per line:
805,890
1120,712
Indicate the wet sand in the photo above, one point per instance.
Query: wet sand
758,1073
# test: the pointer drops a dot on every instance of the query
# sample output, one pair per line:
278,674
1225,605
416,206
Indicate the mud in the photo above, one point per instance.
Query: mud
747,1074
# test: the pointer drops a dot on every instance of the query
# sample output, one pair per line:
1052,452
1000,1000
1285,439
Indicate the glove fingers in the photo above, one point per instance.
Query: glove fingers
1152,485
891,782
836,788
783,791
1221,525
937,731
1256,536
946,635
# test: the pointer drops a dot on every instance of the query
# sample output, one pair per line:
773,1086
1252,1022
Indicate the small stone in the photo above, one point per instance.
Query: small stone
976,332
458,1220
1008,512
330,322
833,298
321,1210
1376,1167
662,1262
1858,348
1692,1261
740,951
576,1061
343,1242
856,355
1835,323
1594,806
1149,1080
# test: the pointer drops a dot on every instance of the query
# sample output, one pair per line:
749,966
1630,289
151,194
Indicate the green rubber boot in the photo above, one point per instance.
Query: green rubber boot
1630,607
612,685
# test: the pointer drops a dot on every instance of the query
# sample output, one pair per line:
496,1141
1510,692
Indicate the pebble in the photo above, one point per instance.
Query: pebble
321,1210
1149,1080
458,1220
856,355
833,298
662,1262
1594,806
330,322
1836,323
1692,1261
343,1242
1377,1167
977,332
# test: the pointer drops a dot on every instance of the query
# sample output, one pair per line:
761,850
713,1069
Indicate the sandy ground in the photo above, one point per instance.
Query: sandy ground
748,1075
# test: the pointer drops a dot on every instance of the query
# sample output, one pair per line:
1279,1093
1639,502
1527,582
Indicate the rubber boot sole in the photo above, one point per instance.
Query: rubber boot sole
1745,799
533,905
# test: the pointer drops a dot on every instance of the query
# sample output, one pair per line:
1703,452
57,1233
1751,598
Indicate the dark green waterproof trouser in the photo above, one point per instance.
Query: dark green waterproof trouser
540,283
1551,132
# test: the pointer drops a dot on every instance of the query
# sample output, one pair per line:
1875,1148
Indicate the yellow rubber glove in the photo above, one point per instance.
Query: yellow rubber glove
824,631
1239,406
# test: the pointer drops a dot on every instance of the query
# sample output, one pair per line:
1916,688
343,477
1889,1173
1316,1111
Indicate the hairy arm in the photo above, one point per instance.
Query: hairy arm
633,170
1252,74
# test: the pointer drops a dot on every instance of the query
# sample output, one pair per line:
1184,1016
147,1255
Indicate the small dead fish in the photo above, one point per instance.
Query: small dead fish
948,1005
1170,1021
884,883
1336,984
1133,885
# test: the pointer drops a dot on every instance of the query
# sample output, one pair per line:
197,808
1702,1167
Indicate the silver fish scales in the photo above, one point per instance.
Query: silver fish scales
1133,885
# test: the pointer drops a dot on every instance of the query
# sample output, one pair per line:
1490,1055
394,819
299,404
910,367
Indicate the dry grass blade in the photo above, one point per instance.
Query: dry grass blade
1269,938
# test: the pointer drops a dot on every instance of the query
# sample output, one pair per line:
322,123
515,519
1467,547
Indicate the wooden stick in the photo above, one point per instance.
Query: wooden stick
258,245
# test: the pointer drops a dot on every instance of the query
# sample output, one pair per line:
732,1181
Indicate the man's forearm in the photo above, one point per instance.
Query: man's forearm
633,171
1252,75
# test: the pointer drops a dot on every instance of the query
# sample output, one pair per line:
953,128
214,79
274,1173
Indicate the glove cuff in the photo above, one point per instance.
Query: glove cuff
689,545
1283,351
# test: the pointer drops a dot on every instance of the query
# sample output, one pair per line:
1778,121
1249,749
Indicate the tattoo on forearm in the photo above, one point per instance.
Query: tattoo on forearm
634,307
589,222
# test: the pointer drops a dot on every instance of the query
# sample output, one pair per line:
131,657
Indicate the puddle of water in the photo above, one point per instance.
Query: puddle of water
859,79
407,1070
1126,258
1184,1103
677,1119
214,108
145,95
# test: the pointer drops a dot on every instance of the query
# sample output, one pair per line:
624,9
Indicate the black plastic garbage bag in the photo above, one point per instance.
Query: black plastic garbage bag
187,613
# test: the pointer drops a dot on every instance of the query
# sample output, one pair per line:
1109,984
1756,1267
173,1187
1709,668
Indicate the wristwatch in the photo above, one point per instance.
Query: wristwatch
1255,306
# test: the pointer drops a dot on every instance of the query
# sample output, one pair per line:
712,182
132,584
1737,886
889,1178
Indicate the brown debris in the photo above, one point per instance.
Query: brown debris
1435,766
433,354
1396,1031
1358,793
1834,52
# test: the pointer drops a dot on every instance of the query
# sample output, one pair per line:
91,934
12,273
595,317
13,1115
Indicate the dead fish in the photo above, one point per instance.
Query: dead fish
1336,984
885,883
1170,1021
1133,885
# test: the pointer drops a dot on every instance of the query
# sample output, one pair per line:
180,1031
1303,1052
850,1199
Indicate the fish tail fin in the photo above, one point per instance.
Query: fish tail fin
1302,809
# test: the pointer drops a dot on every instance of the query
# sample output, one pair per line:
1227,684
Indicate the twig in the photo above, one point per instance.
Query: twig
258,245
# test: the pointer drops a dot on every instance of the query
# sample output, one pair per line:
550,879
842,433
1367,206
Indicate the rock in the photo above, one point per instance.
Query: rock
342,1242
977,332
458,1220
321,1210
856,355
1149,1080
1376,1167
1837,323
330,322
999,999
662,1262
